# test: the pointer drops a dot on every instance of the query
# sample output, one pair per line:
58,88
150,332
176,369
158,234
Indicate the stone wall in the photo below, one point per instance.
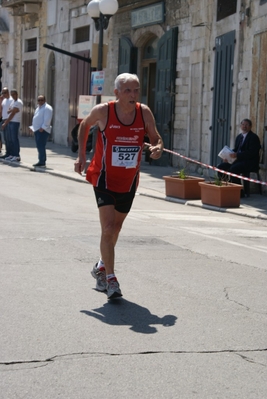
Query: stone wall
198,30
60,34
7,48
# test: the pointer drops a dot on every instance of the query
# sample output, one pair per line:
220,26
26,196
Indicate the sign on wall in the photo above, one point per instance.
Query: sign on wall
150,15
97,82
86,103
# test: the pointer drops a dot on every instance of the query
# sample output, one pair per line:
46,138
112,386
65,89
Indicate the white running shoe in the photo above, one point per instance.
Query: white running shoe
100,276
113,288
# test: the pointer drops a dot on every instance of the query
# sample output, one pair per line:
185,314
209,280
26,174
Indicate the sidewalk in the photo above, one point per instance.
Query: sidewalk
60,162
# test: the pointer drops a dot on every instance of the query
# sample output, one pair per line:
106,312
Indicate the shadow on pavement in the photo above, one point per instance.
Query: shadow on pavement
156,171
29,142
256,202
121,312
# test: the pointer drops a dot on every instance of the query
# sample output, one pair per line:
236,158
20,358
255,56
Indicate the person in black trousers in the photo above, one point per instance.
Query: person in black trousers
245,154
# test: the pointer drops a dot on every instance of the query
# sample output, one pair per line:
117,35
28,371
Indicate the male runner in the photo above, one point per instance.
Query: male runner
114,169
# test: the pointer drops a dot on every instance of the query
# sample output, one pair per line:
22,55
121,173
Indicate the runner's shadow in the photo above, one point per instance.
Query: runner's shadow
121,312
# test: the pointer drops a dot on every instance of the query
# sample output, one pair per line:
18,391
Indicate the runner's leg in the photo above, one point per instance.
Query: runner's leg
111,223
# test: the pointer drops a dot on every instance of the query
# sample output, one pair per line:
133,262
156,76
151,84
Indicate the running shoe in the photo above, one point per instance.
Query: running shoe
9,158
100,276
39,164
113,289
15,159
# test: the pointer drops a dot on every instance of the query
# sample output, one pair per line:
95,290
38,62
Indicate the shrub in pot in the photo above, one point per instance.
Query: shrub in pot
220,193
181,185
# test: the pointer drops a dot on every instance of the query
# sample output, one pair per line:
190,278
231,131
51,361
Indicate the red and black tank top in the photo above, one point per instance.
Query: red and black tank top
116,162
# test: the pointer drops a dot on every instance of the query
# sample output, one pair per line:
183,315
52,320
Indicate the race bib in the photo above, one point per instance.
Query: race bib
125,157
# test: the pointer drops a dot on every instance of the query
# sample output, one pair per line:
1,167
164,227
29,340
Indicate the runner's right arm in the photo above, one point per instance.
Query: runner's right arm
97,116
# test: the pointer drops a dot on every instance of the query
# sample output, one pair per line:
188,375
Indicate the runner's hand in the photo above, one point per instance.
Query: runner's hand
155,152
79,164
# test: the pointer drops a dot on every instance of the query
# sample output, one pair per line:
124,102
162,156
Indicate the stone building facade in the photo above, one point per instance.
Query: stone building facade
202,65
220,71
34,69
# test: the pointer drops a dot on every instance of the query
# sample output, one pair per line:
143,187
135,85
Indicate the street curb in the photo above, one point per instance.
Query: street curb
81,179
207,207
228,210
54,172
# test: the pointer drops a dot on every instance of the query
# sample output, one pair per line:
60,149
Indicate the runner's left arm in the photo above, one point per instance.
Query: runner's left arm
156,142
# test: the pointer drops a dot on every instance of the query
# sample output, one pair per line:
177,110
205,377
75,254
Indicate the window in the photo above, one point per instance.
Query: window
31,45
82,34
225,8
150,50
263,1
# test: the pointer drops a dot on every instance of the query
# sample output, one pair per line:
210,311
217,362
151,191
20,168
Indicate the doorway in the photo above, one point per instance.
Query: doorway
148,75
29,96
51,87
222,98
258,107
79,85
148,80
165,90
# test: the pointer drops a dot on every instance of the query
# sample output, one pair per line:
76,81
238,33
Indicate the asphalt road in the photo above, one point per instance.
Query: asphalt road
192,320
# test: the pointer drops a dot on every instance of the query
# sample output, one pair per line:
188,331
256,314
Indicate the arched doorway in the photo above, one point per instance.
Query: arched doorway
158,73
148,73
80,73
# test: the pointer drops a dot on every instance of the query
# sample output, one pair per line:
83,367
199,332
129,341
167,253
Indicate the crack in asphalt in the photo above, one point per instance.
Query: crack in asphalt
227,296
232,300
247,359
58,357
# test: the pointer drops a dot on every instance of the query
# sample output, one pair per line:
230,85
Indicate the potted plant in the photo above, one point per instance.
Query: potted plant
220,193
180,185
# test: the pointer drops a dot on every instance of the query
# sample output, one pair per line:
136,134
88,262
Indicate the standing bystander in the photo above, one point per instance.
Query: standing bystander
13,121
7,99
41,127
245,155
115,167
1,100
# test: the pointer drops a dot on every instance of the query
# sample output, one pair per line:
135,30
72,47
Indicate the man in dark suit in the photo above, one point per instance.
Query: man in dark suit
246,153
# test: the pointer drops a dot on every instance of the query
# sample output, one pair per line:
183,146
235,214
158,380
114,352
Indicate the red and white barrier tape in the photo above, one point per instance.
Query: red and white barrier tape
213,167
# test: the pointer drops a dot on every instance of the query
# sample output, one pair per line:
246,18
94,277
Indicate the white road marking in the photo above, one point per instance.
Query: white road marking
230,242
146,214
213,233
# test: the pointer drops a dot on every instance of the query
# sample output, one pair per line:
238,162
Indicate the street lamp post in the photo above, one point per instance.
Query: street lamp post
101,11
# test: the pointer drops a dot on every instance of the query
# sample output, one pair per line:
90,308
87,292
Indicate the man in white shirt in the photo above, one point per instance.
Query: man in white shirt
1,99
7,100
41,127
13,121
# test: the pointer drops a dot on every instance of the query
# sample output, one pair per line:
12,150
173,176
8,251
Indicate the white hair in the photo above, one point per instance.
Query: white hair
124,78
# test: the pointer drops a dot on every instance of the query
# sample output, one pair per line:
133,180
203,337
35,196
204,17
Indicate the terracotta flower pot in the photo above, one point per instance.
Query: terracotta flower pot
187,188
225,196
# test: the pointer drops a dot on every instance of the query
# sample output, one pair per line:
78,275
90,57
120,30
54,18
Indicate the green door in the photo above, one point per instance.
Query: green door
222,97
127,56
165,90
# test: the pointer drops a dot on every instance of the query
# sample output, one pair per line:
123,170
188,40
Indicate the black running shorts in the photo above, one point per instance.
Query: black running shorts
121,201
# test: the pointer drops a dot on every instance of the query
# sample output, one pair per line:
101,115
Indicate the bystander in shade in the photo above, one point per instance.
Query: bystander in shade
41,126
13,121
